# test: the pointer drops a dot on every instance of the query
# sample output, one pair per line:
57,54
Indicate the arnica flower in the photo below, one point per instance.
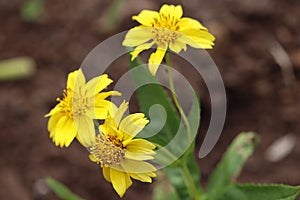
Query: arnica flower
166,29
81,103
121,156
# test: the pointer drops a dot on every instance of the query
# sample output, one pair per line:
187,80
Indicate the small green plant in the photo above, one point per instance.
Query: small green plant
33,10
17,68
126,148
61,190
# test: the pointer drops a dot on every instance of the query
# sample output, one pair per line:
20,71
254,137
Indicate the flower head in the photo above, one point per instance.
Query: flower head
81,103
168,30
120,155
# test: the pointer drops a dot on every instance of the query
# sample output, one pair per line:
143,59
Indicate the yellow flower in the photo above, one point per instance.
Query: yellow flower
167,29
81,103
120,155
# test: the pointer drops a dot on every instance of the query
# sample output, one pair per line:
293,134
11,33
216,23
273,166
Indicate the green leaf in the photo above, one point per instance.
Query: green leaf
17,68
61,190
263,192
178,178
152,94
175,173
112,17
231,164
163,190
32,10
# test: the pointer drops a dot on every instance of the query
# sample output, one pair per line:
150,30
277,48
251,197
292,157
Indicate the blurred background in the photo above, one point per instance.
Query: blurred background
257,51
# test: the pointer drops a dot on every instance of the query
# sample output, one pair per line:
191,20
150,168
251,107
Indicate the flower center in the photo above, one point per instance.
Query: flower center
74,104
107,150
165,29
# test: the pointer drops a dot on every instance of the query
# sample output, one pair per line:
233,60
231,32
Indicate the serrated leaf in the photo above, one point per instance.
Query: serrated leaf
231,164
61,190
260,192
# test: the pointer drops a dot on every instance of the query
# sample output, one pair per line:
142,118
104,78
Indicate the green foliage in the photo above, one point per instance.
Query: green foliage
17,68
231,164
264,192
112,18
184,173
222,186
151,94
61,190
178,177
32,10
176,173
163,190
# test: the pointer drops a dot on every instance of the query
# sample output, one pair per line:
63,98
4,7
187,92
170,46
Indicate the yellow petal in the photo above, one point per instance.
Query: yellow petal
175,47
104,95
200,36
133,124
86,130
137,156
120,181
53,120
178,11
181,44
71,134
188,23
139,149
97,84
72,79
139,49
103,109
106,173
120,112
137,36
171,10
140,146
197,38
54,110
141,177
100,110
93,158
109,127
136,166
155,60
146,17
76,80
65,132
100,113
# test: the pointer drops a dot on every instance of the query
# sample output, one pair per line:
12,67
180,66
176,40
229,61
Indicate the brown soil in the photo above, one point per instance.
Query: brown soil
258,98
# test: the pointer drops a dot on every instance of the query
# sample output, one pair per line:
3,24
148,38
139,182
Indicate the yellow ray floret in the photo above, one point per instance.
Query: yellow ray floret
166,29
121,156
81,103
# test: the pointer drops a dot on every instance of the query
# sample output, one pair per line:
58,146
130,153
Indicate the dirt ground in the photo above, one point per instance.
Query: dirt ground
258,97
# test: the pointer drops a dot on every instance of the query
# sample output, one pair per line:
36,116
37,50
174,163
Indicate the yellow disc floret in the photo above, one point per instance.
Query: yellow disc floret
107,151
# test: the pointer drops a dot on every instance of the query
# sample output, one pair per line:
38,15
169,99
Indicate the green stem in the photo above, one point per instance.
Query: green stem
188,177
112,17
166,152
171,82
173,157
190,182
